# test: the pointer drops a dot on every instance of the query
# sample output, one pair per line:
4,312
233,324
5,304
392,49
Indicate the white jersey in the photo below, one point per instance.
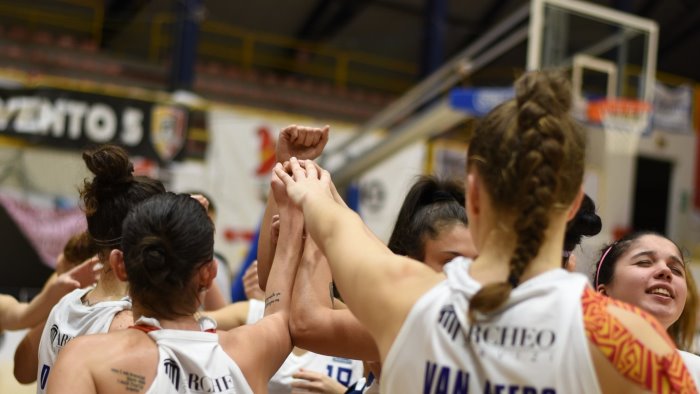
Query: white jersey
692,362
68,319
193,362
537,344
345,371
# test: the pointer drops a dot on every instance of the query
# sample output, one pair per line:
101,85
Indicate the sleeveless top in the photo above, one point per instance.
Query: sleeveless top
68,319
192,361
538,342
692,362
344,370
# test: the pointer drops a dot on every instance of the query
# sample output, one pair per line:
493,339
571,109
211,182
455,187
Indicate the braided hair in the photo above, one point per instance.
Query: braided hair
530,154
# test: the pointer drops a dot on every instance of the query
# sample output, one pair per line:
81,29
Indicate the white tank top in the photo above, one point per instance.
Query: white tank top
692,362
344,370
68,319
536,344
193,362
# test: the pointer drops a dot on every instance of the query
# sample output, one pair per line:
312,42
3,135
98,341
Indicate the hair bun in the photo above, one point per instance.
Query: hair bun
154,260
587,221
110,164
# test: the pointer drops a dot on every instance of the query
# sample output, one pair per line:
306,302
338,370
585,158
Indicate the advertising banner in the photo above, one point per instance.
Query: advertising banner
78,120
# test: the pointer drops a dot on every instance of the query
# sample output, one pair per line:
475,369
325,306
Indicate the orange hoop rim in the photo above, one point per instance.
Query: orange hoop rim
596,109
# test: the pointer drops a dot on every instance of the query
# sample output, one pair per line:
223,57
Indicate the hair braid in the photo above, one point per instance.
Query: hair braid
530,180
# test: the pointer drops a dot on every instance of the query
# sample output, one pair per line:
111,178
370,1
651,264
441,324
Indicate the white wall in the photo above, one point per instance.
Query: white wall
610,182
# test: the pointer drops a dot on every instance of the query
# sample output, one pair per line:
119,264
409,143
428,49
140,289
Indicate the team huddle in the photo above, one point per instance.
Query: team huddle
474,292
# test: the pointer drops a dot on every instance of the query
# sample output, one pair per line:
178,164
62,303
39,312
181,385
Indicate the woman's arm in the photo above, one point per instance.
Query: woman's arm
214,298
231,316
27,356
293,141
379,287
261,348
16,315
314,324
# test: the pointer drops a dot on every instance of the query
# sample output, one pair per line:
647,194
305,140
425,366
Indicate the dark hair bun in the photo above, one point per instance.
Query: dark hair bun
586,223
113,172
153,255
110,164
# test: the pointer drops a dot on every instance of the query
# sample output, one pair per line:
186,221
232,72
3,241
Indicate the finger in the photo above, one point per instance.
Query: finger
304,385
306,375
325,176
282,174
311,170
73,283
288,132
297,170
294,133
309,137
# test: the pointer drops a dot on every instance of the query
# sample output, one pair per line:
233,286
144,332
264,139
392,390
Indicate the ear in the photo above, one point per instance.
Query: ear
116,261
571,263
575,205
207,273
601,289
473,203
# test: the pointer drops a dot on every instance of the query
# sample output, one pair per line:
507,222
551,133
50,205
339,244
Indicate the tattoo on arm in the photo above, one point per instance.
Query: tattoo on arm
131,381
274,297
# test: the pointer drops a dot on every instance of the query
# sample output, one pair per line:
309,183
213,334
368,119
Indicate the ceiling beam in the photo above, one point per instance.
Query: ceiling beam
117,15
328,17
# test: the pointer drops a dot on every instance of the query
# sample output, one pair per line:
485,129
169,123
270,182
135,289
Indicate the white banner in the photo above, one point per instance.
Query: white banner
672,109
236,175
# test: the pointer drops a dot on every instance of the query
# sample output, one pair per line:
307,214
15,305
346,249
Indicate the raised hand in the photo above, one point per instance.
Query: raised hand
304,180
81,276
250,283
279,192
304,143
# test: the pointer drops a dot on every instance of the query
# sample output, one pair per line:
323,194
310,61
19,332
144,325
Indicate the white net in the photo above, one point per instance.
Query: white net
624,127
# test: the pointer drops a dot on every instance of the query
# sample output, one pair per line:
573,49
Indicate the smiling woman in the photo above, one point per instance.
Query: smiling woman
647,270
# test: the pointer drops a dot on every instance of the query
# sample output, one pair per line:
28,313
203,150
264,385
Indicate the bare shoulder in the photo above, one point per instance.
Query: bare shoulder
630,349
112,346
121,321
120,361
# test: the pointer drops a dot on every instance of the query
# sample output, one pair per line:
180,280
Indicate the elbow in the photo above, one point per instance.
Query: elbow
300,328
23,376
24,369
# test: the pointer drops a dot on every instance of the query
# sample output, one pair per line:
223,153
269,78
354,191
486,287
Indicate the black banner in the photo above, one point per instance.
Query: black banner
79,120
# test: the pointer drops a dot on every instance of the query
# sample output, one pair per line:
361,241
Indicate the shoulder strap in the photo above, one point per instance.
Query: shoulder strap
144,327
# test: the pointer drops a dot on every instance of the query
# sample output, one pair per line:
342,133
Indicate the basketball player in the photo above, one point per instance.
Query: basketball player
511,320
107,199
168,260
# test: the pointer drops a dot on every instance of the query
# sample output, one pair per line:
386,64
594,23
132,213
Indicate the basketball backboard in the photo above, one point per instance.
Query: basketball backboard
611,54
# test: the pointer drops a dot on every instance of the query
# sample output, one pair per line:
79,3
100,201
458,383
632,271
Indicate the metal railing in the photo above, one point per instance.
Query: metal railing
36,17
226,44
255,50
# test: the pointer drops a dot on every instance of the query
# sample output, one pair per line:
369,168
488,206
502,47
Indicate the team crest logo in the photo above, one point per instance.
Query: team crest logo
168,129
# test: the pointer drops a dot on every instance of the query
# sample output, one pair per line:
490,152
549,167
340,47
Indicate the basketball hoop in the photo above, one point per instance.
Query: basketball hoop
624,122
